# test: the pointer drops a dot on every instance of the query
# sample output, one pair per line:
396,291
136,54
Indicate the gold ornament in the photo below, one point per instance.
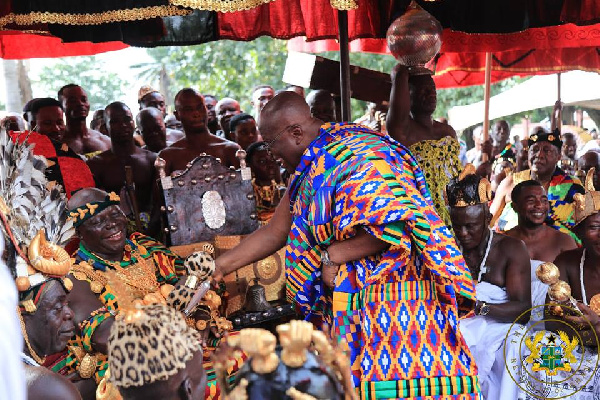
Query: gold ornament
23,283
87,366
96,286
259,344
560,291
166,289
68,284
47,257
548,273
38,359
29,306
295,337
595,303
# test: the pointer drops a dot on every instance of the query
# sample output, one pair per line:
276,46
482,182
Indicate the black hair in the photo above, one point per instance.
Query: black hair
465,190
516,192
62,90
253,149
114,104
238,119
212,96
44,102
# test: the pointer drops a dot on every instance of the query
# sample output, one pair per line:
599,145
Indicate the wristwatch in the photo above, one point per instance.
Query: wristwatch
484,309
325,260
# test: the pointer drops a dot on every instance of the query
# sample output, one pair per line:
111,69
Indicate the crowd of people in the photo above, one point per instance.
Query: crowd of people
418,253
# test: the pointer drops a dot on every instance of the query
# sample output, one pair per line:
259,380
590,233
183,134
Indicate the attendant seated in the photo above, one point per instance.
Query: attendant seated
243,130
149,97
544,243
190,110
84,141
543,158
108,167
171,369
268,189
152,127
150,272
500,264
579,268
65,167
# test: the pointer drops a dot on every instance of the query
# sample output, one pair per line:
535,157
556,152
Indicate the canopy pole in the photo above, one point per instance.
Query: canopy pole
486,98
344,64
559,117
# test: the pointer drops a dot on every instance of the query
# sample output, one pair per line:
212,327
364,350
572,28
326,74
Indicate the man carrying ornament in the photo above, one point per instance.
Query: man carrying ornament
366,255
150,272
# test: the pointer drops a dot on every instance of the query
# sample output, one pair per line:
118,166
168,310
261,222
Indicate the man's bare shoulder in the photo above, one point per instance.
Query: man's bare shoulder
178,146
510,244
444,129
97,136
569,259
562,240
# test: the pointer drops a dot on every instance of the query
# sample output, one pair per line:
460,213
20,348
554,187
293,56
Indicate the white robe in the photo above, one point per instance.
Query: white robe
538,298
485,337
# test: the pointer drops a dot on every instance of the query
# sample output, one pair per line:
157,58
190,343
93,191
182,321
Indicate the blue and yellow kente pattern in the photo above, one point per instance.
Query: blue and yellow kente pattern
397,310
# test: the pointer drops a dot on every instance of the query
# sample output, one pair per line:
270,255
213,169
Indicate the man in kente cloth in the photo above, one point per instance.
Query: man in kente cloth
543,157
151,272
190,110
83,140
543,243
500,265
171,370
108,167
358,205
580,269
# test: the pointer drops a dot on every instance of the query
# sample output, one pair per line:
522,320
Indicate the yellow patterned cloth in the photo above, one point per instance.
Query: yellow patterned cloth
439,161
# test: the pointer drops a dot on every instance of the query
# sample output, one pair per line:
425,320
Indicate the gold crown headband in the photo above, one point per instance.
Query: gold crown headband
84,212
484,189
589,203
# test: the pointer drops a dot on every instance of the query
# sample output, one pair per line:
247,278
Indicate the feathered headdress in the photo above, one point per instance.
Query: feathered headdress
589,203
34,221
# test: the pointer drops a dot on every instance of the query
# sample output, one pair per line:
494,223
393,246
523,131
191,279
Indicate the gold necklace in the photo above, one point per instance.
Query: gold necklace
37,358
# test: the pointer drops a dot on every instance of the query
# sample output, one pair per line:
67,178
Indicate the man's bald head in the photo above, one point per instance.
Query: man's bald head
187,92
321,105
287,127
87,195
149,113
287,108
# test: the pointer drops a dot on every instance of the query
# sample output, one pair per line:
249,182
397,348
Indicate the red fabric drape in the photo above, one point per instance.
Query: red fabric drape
284,19
465,69
17,45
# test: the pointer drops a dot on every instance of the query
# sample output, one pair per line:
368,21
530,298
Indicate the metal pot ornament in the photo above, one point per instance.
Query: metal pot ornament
415,38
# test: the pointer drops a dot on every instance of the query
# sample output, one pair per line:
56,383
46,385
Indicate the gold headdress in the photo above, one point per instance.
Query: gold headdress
468,189
34,222
589,203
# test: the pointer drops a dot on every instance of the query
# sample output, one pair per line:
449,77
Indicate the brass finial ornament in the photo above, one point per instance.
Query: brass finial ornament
302,348
559,291
415,38
589,203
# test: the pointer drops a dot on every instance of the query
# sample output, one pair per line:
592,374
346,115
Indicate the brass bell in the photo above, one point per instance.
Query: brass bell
256,298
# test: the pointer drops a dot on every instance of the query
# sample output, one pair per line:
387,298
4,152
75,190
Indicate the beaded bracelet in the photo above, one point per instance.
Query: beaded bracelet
89,326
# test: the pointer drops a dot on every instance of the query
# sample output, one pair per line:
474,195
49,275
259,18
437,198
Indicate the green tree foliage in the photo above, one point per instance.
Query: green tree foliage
223,68
102,87
230,68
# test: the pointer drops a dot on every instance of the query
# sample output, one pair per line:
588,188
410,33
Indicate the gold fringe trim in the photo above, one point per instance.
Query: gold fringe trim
344,5
223,6
134,14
